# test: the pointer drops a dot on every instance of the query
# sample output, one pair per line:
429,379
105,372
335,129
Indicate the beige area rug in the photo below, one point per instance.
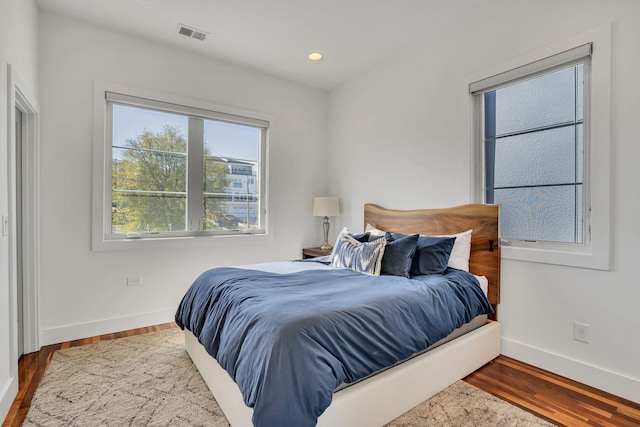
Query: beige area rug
149,380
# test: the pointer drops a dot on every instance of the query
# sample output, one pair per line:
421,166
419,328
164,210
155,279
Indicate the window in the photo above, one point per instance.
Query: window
178,171
533,147
534,155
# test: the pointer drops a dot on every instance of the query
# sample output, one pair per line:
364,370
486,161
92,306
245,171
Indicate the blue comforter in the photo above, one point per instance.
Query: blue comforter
288,340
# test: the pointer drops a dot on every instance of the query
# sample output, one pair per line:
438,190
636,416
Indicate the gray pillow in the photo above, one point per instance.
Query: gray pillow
363,257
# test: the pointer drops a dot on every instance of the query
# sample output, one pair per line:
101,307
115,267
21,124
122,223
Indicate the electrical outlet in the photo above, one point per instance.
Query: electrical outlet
581,332
134,281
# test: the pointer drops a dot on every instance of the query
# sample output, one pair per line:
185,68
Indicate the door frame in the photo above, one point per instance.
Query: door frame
20,97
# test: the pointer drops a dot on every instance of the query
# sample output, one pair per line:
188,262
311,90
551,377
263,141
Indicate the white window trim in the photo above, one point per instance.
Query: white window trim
596,253
101,197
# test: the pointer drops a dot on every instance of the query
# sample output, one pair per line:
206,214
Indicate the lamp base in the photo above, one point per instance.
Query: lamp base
325,227
326,247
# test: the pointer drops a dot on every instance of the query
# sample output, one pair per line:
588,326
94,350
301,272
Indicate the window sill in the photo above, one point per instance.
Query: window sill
597,260
99,244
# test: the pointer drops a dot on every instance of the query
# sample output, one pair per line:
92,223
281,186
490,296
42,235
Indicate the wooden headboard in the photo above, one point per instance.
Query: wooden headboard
483,219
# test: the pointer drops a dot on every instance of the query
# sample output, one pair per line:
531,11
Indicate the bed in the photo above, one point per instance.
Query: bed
380,398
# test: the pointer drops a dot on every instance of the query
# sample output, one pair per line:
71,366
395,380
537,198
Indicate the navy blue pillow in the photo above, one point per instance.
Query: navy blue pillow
432,255
398,254
374,237
362,237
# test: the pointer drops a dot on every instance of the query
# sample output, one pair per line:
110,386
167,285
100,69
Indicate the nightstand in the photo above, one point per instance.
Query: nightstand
314,253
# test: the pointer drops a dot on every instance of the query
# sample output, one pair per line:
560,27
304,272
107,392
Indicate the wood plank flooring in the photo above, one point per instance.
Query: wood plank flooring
559,400
552,397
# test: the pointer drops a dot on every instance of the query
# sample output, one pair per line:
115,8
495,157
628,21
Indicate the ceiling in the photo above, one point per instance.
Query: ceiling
275,36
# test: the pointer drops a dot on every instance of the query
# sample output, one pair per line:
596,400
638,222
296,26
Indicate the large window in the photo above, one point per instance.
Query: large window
535,157
179,171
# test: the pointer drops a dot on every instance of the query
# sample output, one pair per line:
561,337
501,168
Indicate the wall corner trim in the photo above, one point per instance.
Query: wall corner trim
81,330
8,393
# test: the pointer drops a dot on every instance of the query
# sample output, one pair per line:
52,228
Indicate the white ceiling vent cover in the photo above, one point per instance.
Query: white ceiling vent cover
191,32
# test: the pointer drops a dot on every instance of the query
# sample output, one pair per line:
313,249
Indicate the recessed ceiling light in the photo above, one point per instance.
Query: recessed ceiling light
315,56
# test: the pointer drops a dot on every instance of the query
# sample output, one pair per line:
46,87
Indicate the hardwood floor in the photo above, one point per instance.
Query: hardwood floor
552,397
549,396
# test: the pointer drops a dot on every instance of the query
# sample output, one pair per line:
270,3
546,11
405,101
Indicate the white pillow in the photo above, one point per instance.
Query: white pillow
484,284
461,250
373,231
358,256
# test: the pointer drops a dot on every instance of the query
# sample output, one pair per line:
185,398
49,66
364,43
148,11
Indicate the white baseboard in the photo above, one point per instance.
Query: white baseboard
104,326
612,382
7,396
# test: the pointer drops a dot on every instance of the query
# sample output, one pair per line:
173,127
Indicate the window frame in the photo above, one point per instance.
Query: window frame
594,252
105,94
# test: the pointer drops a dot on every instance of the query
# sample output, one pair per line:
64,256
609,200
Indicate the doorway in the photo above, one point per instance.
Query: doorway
18,145
23,218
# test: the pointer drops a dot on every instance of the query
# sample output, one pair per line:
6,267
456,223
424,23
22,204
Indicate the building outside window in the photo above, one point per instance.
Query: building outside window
242,188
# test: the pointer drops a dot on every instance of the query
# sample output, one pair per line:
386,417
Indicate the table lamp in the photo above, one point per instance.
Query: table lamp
326,207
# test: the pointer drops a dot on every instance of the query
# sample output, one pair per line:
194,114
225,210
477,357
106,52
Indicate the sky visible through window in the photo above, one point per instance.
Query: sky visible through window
231,140
221,139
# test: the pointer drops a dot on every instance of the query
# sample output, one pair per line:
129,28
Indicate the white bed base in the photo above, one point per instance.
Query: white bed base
377,400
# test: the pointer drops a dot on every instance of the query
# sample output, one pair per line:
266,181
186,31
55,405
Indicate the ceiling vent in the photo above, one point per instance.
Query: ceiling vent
191,32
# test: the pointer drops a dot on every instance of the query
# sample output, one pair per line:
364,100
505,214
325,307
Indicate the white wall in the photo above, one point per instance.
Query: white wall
84,293
399,136
18,47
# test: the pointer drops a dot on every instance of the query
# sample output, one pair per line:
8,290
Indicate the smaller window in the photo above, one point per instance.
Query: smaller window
531,125
541,150
534,156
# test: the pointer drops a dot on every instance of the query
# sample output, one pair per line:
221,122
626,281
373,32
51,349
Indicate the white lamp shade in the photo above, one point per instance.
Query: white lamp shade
326,206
